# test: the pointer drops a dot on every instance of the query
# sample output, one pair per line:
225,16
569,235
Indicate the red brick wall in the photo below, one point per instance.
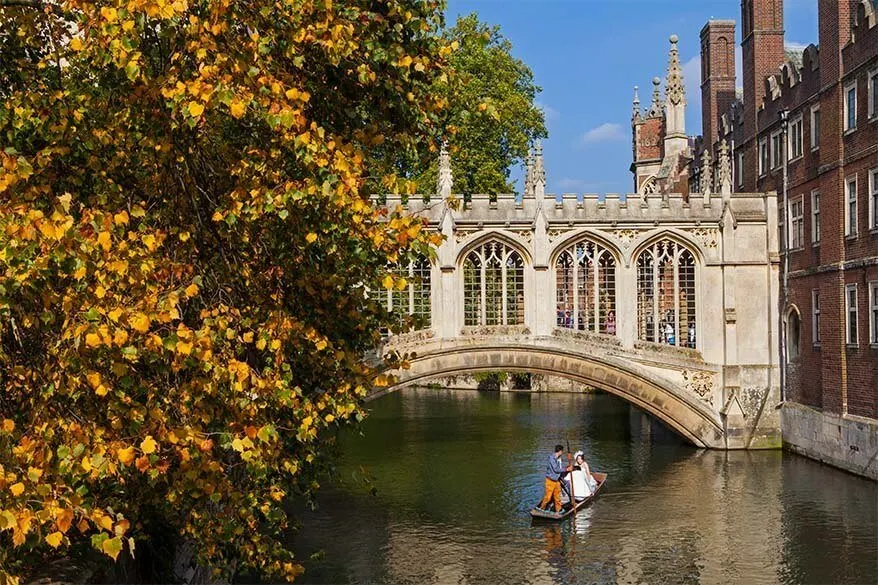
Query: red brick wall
763,52
717,75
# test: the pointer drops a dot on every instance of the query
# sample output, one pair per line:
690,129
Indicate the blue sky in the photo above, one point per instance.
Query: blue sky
588,55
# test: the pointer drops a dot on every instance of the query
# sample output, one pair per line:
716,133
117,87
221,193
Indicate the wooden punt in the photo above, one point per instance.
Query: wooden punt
567,510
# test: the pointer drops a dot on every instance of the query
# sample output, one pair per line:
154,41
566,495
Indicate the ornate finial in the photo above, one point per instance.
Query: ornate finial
539,169
674,89
529,173
655,108
635,105
445,180
706,172
724,168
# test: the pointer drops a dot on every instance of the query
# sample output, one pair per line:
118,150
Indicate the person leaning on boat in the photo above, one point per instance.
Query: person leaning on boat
554,471
583,482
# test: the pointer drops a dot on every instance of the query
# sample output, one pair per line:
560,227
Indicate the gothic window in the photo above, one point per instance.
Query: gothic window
493,286
666,295
585,291
414,299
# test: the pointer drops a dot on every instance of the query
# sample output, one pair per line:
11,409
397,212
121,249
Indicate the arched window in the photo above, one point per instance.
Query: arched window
666,295
493,286
585,291
414,299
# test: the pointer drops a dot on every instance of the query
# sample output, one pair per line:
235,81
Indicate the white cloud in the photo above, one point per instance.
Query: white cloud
797,47
551,113
606,132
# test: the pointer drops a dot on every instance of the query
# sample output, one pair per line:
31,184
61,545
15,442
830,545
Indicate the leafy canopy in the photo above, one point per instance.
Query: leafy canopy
186,236
491,116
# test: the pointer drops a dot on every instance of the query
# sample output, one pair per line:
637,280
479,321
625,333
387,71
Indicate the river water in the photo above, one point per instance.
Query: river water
437,486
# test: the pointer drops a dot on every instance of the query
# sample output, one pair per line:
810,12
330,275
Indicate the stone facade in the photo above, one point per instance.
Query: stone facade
848,442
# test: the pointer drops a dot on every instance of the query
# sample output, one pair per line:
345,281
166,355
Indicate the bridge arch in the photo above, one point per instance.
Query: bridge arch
671,402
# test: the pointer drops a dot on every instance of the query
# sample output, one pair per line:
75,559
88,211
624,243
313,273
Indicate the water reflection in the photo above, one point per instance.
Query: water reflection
456,473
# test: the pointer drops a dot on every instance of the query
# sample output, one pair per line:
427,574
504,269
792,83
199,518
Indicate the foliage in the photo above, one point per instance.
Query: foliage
185,241
491,115
490,380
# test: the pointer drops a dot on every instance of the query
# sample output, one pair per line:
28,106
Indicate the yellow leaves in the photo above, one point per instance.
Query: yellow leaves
17,489
184,347
149,241
140,322
387,282
115,314
311,238
217,216
96,382
191,290
109,14
237,445
121,218
8,425
54,539
120,337
93,340
195,109
105,241
34,474
104,521
76,44
321,345
401,284
63,519
100,292
148,445
237,109
126,456
112,547
248,337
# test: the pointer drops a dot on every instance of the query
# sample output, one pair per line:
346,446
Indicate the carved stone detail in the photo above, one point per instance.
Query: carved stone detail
554,234
700,383
750,399
708,237
525,235
461,235
625,237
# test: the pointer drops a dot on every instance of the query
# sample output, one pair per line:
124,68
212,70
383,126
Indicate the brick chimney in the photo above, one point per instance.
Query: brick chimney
717,76
762,47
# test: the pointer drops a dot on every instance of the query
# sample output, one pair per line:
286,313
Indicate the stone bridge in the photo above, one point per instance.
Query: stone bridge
667,301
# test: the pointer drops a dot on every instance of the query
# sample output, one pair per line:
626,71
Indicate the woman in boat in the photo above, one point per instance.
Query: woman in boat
583,482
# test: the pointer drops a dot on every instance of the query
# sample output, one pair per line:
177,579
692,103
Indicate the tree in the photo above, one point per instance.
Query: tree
491,118
186,236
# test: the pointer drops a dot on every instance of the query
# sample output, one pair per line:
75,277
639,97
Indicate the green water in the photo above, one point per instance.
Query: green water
454,473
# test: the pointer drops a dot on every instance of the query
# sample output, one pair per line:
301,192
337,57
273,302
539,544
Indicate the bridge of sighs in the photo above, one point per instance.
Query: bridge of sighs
667,301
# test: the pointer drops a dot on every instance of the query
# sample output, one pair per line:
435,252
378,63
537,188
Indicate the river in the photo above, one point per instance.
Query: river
437,485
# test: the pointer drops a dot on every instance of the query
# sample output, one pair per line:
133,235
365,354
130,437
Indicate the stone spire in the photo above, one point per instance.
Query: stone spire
635,106
706,172
724,169
529,174
655,108
539,172
674,90
445,180
675,104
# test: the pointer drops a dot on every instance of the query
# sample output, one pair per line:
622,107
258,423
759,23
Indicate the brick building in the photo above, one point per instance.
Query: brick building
804,124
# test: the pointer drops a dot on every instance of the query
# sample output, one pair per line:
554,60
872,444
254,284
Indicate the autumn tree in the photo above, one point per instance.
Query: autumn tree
186,238
491,116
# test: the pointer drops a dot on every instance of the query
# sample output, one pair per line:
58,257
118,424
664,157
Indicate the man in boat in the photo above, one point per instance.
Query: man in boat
554,471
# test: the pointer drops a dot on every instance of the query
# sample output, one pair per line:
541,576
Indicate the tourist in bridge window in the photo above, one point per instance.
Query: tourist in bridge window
585,282
493,286
414,300
666,294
